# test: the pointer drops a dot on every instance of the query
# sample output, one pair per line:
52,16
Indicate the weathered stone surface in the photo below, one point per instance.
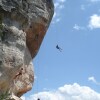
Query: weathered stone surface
23,24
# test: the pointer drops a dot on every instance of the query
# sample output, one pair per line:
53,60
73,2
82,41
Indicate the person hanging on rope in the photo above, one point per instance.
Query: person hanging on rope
57,47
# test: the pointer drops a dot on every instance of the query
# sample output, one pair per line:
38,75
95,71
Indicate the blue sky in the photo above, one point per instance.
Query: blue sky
72,74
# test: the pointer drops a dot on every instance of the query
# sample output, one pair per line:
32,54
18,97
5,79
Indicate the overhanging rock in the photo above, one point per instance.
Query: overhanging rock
23,25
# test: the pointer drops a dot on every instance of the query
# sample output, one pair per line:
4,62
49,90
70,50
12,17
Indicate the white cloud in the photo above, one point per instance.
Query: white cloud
59,5
57,20
77,27
56,5
94,21
54,14
68,92
93,80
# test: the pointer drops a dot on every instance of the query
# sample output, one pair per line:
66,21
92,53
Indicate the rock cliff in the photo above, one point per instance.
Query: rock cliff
23,24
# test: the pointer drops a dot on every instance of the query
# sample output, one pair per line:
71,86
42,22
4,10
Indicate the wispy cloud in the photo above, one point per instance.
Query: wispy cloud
56,20
82,7
92,79
67,92
77,27
93,0
94,21
59,5
35,77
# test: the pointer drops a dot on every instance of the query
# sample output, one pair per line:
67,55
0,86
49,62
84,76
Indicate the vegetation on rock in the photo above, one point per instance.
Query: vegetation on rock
5,96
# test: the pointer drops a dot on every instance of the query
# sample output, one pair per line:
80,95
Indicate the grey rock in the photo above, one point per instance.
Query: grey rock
23,25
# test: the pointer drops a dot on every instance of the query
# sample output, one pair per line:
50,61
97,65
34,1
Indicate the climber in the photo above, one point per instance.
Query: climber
38,99
57,47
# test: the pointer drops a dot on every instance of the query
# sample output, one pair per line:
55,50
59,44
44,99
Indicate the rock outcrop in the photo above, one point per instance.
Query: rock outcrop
23,24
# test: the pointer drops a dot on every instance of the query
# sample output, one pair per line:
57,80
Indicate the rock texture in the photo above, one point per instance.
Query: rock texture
23,24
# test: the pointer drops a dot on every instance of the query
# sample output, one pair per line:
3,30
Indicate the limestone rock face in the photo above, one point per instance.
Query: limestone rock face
23,24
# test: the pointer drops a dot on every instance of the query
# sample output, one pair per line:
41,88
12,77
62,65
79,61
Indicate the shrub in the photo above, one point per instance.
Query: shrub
5,96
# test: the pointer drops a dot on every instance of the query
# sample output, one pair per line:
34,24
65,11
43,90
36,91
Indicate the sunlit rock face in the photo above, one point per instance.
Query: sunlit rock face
23,24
